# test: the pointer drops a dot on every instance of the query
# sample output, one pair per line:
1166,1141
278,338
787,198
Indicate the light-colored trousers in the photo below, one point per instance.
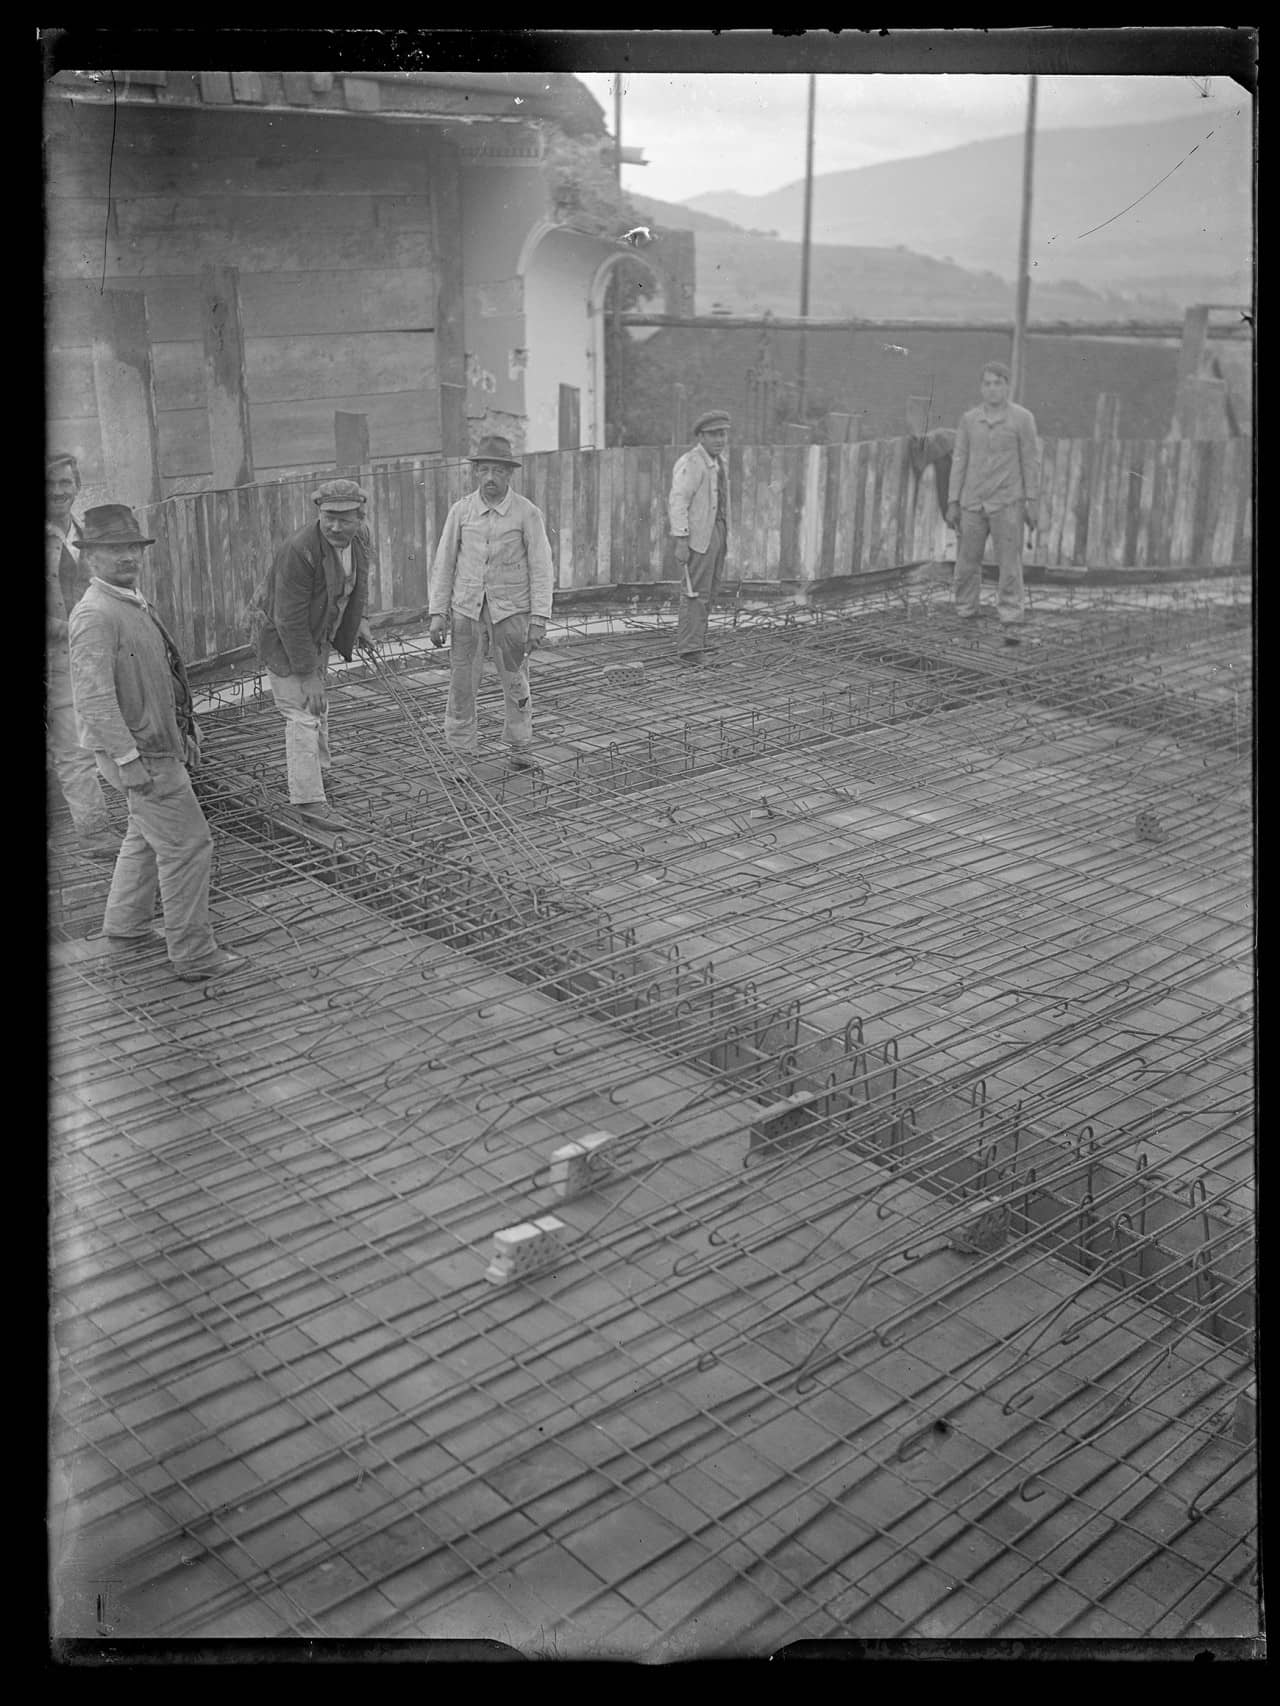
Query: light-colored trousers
307,758
73,764
168,845
508,640
1005,527
704,574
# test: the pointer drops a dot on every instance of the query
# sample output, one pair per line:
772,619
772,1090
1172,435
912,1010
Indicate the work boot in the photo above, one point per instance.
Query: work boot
219,963
520,758
1011,637
138,939
318,812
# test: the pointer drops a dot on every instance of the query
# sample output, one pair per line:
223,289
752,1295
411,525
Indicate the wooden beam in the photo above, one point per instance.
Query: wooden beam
1195,329
1039,329
124,385
1202,410
226,397
1106,415
351,442
445,189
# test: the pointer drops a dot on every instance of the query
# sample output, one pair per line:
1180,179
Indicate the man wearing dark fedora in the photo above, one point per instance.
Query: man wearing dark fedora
133,705
492,576
698,507
65,581
312,600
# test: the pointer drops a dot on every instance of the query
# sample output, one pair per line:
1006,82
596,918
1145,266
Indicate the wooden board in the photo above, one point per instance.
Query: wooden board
310,247
301,433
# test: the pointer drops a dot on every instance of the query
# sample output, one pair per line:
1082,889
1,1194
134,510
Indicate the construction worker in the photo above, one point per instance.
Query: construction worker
994,489
698,507
492,577
313,599
133,707
65,581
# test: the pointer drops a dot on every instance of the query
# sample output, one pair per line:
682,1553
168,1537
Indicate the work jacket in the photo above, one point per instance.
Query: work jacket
295,611
128,682
692,503
494,552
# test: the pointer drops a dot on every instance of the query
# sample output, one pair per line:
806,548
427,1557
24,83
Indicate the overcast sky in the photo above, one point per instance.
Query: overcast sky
747,133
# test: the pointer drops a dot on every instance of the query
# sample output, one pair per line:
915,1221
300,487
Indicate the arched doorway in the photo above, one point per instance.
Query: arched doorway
655,302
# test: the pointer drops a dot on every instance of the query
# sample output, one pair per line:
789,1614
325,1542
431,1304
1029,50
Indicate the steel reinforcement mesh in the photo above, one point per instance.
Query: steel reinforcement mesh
862,1028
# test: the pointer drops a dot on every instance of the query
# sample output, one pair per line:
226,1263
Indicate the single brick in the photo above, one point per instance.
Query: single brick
527,1248
579,1167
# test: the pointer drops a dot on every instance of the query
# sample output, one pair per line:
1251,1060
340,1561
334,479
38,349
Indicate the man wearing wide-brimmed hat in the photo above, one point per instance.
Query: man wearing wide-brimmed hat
312,600
133,706
492,576
698,507
65,581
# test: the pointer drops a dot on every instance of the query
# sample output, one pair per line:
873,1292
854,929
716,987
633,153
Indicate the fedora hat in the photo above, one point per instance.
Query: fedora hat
495,450
111,524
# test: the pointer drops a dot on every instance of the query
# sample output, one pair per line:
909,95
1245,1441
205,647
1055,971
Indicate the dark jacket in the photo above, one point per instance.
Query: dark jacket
936,447
297,604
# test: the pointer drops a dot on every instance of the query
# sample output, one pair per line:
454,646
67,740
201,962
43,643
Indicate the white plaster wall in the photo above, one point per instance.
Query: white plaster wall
558,326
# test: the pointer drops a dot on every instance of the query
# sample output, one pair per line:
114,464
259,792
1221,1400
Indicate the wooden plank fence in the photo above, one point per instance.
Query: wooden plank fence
797,513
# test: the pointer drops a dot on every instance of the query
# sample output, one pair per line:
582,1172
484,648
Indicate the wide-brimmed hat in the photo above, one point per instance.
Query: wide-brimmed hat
111,524
711,420
495,450
340,495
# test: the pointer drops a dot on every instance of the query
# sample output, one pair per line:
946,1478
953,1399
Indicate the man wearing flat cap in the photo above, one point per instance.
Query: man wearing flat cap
699,512
133,706
66,579
313,600
492,576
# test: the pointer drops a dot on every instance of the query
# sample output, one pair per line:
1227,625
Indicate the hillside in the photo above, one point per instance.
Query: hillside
750,273
962,204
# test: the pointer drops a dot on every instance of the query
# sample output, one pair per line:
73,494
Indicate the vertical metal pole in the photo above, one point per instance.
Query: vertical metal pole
1018,363
613,363
802,374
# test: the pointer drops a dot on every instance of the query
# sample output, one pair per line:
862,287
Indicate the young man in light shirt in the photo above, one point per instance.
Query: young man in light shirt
995,490
698,509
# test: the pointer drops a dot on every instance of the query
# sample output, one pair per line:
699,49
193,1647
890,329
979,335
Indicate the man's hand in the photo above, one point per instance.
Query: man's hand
136,776
195,746
537,633
364,638
953,517
682,552
312,690
435,630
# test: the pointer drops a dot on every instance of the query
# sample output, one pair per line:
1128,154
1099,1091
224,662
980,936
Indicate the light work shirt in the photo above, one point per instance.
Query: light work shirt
498,552
997,459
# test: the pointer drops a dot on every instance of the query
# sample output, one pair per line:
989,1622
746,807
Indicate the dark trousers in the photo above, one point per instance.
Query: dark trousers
703,572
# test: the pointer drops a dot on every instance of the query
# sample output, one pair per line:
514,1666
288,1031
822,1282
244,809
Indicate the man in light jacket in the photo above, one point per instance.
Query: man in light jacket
698,508
65,581
492,576
133,706
313,599
995,489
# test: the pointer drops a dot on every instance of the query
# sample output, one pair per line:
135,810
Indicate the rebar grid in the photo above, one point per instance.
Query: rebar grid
927,915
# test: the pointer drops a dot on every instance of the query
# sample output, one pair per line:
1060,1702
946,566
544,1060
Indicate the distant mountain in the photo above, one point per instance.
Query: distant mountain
679,217
962,204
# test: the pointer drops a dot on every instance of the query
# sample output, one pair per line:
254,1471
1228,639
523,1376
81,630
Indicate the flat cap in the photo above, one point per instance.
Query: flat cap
339,494
711,420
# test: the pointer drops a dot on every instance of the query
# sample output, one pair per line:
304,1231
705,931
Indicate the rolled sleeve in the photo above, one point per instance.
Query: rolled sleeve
1029,451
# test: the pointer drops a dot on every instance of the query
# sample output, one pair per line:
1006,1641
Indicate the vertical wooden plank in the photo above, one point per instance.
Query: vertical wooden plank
1242,551
830,508
849,463
1145,462
226,395
124,390
622,478
604,518
1222,543
809,531
745,552
1115,507
637,514
1080,508
1183,497
1210,457
586,504
791,509
419,564
1061,502
1096,543
392,587
777,486
565,498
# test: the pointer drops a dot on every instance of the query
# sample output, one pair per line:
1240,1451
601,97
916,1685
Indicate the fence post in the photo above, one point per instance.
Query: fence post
839,428
680,414
1106,416
917,416
351,443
